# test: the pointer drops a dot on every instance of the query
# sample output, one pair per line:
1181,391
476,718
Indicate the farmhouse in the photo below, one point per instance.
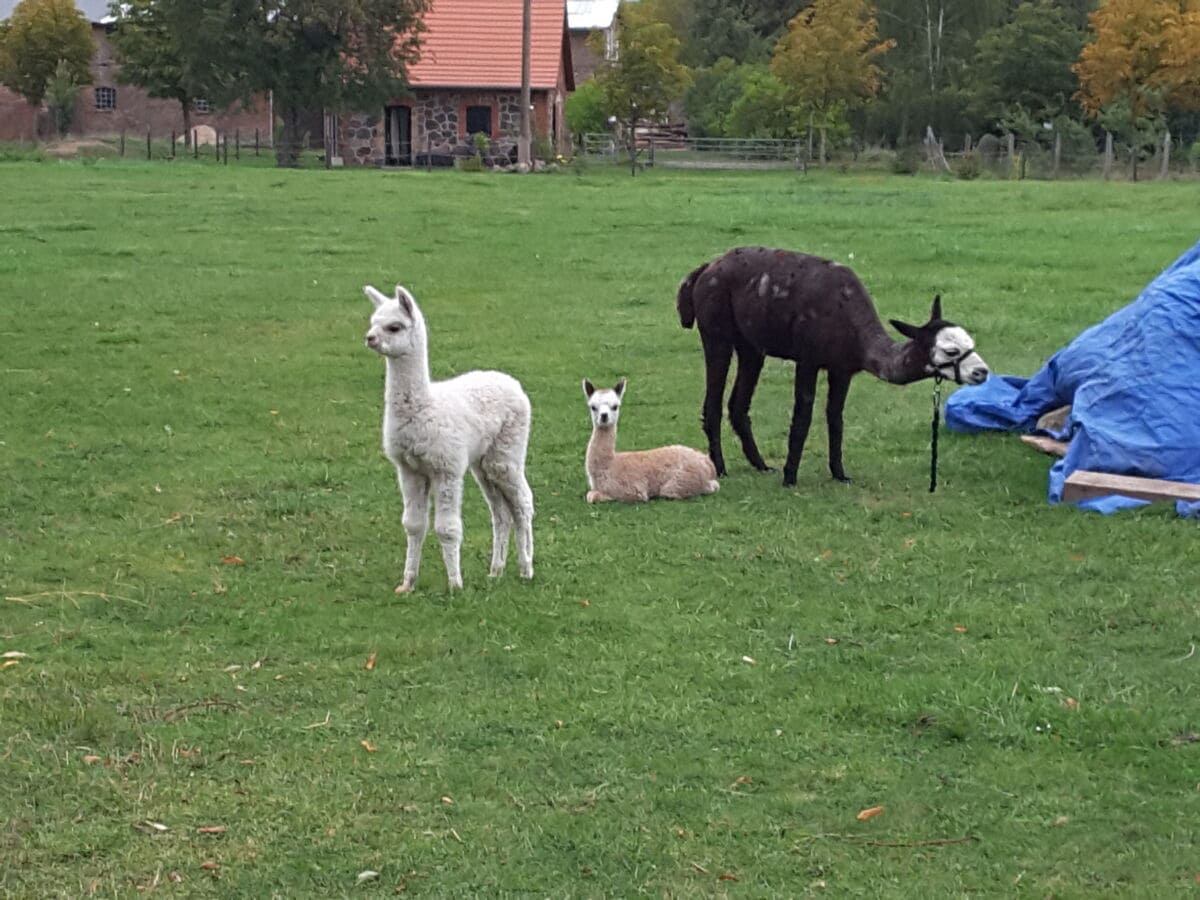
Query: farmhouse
106,107
467,82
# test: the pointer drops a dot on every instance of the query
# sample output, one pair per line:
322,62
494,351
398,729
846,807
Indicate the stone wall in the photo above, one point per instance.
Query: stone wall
439,127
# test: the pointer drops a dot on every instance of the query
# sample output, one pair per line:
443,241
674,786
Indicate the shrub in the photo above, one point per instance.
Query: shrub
969,168
469,164
907,161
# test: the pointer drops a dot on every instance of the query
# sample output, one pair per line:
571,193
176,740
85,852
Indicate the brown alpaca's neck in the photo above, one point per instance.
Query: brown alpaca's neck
900,362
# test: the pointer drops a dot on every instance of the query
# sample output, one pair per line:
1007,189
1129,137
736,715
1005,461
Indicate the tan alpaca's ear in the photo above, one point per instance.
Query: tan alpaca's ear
588,389
619,388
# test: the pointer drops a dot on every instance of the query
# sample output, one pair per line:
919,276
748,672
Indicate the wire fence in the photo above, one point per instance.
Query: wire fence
992,157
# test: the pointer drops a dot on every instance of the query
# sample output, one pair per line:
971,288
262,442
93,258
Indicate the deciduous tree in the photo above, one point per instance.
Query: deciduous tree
36,38
646,76
315,54
1026,63
1141,61
163,48
827,60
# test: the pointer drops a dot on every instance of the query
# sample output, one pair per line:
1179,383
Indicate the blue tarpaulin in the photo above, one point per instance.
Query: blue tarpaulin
1133,385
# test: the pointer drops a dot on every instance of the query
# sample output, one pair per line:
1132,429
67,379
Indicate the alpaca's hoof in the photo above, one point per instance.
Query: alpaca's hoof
789,479
765,468
593,496
843,479
406,587
527,573
496,572
456,585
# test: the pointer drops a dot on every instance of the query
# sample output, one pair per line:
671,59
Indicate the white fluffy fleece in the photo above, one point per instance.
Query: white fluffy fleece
673,472
434,431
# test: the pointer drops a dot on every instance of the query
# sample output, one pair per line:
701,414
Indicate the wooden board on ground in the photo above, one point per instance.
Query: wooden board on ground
1083,485
1046,444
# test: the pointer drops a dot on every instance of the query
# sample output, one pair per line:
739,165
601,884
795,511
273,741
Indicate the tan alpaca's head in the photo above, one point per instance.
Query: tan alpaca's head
397,326
604,404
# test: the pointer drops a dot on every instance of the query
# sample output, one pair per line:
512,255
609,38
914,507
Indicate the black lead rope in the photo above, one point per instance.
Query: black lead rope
933,441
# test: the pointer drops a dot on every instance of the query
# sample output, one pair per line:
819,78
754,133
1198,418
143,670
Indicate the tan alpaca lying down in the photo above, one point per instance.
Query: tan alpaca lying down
673,472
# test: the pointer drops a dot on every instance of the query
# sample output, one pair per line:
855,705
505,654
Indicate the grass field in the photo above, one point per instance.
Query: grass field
199,538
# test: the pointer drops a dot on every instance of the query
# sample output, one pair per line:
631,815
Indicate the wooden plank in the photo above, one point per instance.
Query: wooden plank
1045,444
1083,485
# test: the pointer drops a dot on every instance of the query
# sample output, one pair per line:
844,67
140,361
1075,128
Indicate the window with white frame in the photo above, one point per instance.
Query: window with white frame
106,99
201,105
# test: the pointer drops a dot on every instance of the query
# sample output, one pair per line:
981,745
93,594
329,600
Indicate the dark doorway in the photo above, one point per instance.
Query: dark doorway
397,144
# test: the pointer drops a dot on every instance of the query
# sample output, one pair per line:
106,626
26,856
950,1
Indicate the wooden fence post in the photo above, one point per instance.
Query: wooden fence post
256,142
172,143
195,145
226,136
1057,151
237,143
1108,154
122,142
148,155
1166,155
428,152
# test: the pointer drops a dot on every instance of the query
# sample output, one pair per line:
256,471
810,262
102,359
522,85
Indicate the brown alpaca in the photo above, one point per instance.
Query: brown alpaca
673,472
761,302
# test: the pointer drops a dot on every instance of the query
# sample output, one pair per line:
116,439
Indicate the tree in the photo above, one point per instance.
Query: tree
827,60
39,36
62,92
1142,60
1026,63
312,54
585,109
646,76
743,30
162,49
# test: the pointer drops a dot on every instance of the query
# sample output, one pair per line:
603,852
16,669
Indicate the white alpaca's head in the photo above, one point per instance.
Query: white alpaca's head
397,326
951,349
604,404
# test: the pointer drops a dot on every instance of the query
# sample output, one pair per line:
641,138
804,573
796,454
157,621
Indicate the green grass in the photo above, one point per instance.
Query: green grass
184,381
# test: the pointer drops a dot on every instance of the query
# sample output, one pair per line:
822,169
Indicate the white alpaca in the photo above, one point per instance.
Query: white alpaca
673,472
433,431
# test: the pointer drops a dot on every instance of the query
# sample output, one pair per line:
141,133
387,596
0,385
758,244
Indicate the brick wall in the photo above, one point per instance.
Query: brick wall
134,110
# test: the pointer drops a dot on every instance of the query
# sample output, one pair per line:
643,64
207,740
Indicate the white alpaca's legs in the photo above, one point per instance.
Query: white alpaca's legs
520,499
447,523
414,488
502,520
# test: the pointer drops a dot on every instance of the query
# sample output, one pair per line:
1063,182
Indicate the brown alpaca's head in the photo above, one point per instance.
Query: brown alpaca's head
948,348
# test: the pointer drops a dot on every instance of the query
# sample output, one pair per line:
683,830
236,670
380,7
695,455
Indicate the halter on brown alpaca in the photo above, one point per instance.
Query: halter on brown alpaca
761,302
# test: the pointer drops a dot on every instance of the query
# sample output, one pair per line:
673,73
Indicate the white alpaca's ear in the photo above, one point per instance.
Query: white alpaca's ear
619,389
406,300
588,389
374,296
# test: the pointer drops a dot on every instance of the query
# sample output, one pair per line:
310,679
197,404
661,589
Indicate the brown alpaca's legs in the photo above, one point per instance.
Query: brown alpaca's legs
750,363
717,355
835,403
806,391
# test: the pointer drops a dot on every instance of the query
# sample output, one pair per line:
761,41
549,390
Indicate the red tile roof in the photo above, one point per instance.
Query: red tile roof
477,43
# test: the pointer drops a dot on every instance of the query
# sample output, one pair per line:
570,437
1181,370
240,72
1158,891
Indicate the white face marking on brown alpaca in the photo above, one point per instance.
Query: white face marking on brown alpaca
954,357
604,404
